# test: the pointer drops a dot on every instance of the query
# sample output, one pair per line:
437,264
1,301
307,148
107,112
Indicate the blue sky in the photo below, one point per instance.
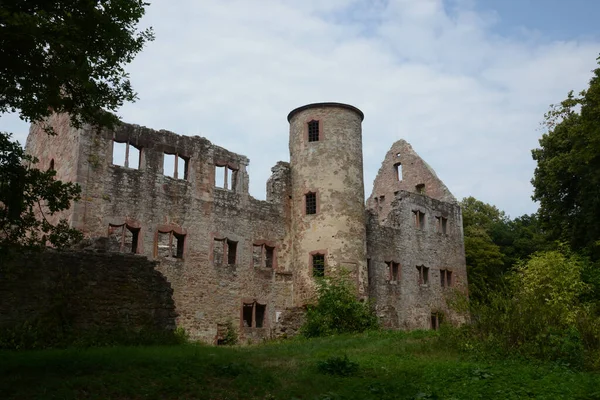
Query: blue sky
465,82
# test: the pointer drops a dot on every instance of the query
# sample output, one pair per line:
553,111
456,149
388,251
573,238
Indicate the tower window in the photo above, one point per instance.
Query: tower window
313,131
318,265
311,203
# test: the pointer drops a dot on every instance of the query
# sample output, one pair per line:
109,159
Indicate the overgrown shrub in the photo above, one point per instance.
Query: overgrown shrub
538,313
231,336
337,310
341,366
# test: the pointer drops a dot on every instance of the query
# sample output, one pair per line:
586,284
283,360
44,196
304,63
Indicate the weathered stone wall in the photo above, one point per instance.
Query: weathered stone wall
408,302
208,292
89,290
403,169
332,169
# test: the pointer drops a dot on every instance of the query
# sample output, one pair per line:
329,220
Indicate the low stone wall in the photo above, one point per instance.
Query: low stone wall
84,290
290,321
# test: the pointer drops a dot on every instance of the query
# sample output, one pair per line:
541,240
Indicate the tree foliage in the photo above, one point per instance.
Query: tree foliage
66,57
567,176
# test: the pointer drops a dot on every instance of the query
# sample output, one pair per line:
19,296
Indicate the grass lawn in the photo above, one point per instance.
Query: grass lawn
391,365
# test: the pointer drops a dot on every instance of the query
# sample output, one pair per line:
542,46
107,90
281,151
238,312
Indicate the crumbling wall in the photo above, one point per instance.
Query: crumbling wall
408,302
85,290
182,221
403,169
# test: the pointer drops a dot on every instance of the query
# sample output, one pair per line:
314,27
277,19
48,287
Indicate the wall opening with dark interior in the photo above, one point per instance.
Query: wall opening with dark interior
419,219
441,224
423,273
393,271
170,244
313,131
398,169
445,278
311,203
262,256
123,238
318,265
253,314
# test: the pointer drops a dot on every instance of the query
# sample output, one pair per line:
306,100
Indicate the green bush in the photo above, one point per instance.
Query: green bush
538,313
337,310
341,366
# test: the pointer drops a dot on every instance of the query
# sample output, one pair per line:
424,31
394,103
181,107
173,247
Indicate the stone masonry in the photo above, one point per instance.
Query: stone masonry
230,257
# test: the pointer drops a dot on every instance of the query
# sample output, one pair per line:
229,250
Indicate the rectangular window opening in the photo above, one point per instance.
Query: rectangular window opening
398,167
423,274
259,314
443,278
311,203
231,179
182,167
420,188
318,265
131,239
179,246
395,268
119,150
419,219
247,311
313,131
231,250
169,164
449,278
220,177
269,252
435,321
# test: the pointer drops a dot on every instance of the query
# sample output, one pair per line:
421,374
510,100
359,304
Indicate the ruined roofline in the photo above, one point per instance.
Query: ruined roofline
328,104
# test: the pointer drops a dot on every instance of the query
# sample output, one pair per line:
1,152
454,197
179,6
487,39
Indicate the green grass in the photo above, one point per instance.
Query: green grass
392,365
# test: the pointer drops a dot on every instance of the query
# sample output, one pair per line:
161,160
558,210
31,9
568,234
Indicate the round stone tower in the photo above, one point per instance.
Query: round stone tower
328,205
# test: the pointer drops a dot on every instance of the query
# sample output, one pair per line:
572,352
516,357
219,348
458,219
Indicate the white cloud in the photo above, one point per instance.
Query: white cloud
467,99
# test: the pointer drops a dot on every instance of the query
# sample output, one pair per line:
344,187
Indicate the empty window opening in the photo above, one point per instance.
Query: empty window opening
313,131
311,203
436,321
51,168
169,165
423,273
126,155
398,168
175,166
224,250
225,177
170,244
381,200
262,256
231,250
419,219
397,155
441,224
394,270
445,278
420,188
253,314
318,265
123,238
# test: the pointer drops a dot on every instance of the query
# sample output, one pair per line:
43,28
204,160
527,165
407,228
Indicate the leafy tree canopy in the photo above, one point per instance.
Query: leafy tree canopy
58,56
567,176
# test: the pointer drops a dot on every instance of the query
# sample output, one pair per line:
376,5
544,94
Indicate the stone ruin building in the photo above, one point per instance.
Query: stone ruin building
231,257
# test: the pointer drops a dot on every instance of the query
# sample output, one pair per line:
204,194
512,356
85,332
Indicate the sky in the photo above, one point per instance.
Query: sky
466,82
